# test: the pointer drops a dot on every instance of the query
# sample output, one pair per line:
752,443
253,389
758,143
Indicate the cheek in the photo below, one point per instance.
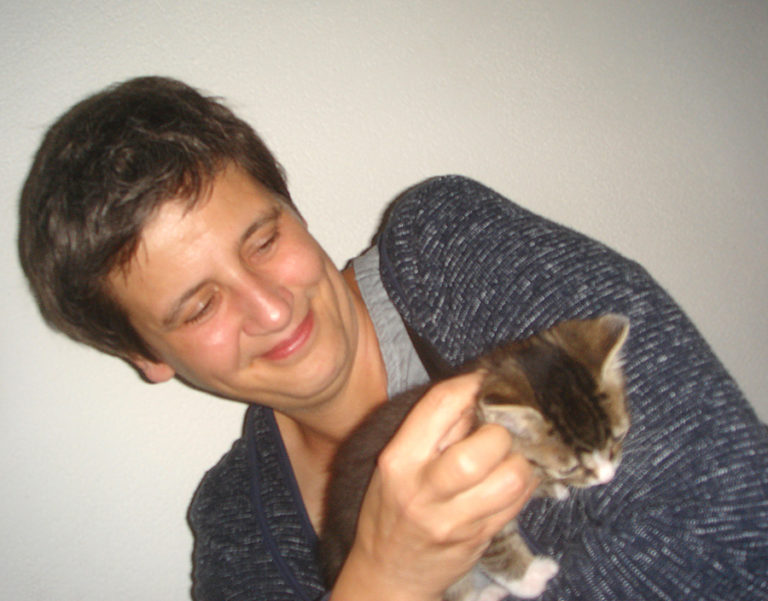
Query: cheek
222,335
304,264
210,349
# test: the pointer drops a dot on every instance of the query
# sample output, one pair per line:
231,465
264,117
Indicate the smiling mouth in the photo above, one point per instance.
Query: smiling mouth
294,342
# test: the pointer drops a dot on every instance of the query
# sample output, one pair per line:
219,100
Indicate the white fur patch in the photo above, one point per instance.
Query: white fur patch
535,579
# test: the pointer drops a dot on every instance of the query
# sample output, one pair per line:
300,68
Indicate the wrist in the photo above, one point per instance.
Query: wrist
363,580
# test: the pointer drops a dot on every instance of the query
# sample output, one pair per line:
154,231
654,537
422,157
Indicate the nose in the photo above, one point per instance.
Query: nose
265,306
603,469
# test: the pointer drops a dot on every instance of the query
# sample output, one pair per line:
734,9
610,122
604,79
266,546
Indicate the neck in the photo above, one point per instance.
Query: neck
319,431
313,436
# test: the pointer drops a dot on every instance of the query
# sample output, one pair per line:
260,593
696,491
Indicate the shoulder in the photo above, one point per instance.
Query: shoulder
454,249
450,188
251,534
224,496
444,200
219,515
221,490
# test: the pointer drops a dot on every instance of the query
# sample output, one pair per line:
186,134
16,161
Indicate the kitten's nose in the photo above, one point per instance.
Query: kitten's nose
604,469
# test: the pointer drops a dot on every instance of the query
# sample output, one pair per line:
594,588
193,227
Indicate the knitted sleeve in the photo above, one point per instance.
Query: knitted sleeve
686,516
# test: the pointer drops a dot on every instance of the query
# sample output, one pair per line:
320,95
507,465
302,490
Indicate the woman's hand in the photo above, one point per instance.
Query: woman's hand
435,500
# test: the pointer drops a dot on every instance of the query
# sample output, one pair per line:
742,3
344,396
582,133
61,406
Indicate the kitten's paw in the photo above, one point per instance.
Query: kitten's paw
492,592
535,579
560,491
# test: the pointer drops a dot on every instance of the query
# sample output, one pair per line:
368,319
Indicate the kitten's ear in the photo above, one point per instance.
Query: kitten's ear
595,342
611,334
523,422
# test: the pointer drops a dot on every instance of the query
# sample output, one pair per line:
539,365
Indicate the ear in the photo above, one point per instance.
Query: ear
153,372
614,329
523,422
596,342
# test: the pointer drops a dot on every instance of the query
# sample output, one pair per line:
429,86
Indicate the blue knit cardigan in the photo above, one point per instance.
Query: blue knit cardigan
686,516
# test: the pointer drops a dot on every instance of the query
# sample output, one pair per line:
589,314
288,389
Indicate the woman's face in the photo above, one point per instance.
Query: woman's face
237,298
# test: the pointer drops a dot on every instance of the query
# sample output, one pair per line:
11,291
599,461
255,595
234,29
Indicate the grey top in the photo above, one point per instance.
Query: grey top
404,368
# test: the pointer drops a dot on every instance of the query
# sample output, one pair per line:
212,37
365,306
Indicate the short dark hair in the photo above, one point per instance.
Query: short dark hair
101,171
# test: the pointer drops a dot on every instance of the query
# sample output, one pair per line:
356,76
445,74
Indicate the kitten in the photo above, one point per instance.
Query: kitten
561,395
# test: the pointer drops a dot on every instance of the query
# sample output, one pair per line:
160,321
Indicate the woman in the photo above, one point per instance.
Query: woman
156,226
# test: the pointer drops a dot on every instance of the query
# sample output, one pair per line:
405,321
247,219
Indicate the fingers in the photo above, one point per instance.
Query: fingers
481,481
470,461
439,494
444,414
501,495
432,443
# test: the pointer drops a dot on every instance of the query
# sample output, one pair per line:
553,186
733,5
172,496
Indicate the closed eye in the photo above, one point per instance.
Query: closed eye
202,310
263,246
261,236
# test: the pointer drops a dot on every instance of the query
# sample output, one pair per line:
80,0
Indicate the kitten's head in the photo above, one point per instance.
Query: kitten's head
561,394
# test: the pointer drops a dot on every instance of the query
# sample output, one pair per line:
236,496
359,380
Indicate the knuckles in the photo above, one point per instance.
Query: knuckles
394,466
486,448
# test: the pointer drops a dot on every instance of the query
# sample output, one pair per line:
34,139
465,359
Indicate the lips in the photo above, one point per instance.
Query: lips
294,342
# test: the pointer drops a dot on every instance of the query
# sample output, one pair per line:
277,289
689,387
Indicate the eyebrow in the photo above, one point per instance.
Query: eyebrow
173,314
259,223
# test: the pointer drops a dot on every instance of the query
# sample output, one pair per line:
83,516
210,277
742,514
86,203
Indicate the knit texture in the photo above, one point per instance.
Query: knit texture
253,538
686,516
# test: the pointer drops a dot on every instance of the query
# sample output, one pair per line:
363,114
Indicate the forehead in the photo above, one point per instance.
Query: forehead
231,189
180,239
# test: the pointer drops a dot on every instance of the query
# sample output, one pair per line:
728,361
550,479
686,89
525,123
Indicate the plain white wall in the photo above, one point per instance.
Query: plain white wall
644,124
